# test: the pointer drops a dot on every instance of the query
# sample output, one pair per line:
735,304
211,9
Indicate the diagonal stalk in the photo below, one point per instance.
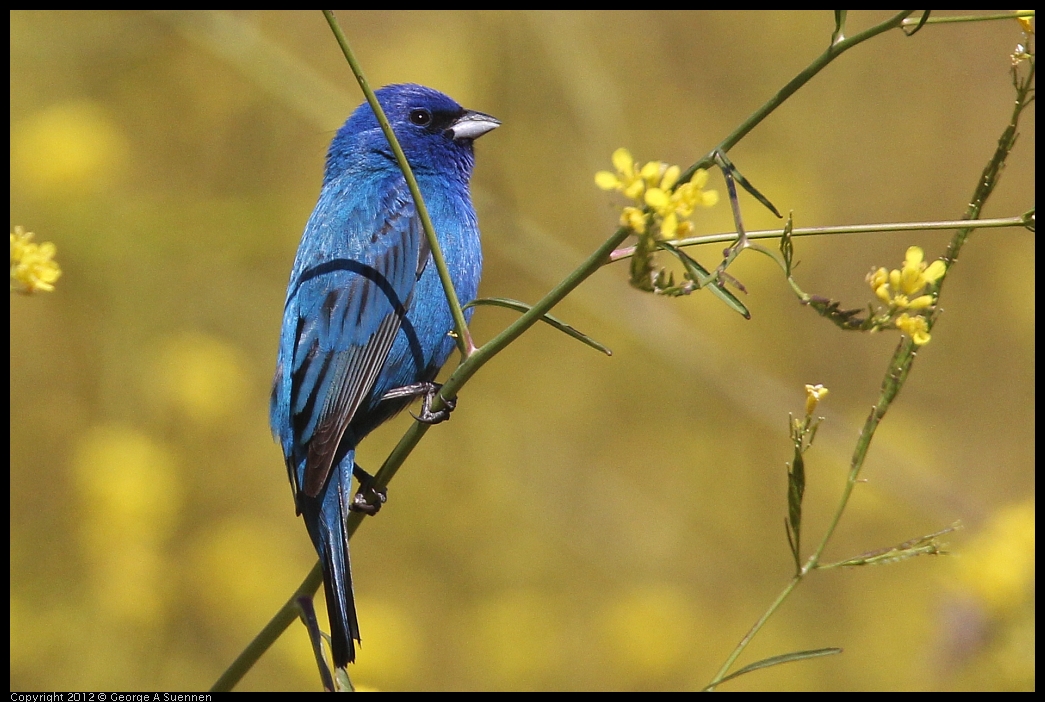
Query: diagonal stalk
901,362
464,337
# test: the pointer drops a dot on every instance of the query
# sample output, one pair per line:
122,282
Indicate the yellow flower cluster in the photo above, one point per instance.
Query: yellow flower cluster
32,265
904,289
653,187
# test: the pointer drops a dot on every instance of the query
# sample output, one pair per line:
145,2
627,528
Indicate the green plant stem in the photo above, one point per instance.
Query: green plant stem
272,631
286,615
902,359
1019,221
476,358
895,377
464,337
899,367
484,353
473,361
971,18
471,364
991,172
752,631
835,50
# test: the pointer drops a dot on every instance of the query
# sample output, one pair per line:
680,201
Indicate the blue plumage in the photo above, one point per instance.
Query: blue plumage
365,311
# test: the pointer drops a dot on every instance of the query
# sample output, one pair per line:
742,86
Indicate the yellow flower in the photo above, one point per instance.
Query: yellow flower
911,280
657,199
671,176
901,289
623,161
650,173
814,393
655,186
634,219
920,302
878,279
674,207
32,265
669,227
606,180
1026,23
626,179
915,327
690,195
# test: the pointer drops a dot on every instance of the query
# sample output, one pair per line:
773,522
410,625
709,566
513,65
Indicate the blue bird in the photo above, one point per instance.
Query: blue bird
366,325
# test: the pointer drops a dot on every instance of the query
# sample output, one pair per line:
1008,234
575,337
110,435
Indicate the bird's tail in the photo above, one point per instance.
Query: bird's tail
325,519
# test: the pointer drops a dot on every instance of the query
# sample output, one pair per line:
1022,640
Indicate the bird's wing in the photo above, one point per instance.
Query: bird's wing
360,258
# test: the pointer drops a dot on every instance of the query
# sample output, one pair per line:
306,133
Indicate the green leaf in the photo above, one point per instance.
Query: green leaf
783,658
921,23
787,245
791,544
703,278
557,323
848,320
725,164
927,545
796,488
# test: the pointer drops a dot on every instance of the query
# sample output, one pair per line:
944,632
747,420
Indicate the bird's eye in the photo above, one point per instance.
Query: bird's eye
420,117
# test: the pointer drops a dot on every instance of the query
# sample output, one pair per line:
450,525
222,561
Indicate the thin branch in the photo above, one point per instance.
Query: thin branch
901,362
272,631
464,337
971,18
1020,221
835,50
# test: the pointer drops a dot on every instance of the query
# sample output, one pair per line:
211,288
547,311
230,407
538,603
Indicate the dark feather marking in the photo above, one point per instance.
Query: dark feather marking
339,411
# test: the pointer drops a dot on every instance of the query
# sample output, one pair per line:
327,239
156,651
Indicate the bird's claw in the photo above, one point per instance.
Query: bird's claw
427,416
428,392
369,503
368,499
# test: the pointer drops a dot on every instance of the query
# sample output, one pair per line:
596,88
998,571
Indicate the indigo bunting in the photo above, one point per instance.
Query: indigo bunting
366,325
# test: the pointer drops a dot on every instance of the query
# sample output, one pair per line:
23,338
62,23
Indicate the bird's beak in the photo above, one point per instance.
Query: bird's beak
472,125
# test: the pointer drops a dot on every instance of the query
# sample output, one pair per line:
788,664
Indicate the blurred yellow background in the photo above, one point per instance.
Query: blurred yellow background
583,522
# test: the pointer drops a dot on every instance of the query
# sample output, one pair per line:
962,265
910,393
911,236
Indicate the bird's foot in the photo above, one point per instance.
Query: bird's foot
427,416
428,393
368,499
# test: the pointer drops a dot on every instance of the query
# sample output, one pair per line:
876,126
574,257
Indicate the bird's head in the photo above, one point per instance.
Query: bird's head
435,132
